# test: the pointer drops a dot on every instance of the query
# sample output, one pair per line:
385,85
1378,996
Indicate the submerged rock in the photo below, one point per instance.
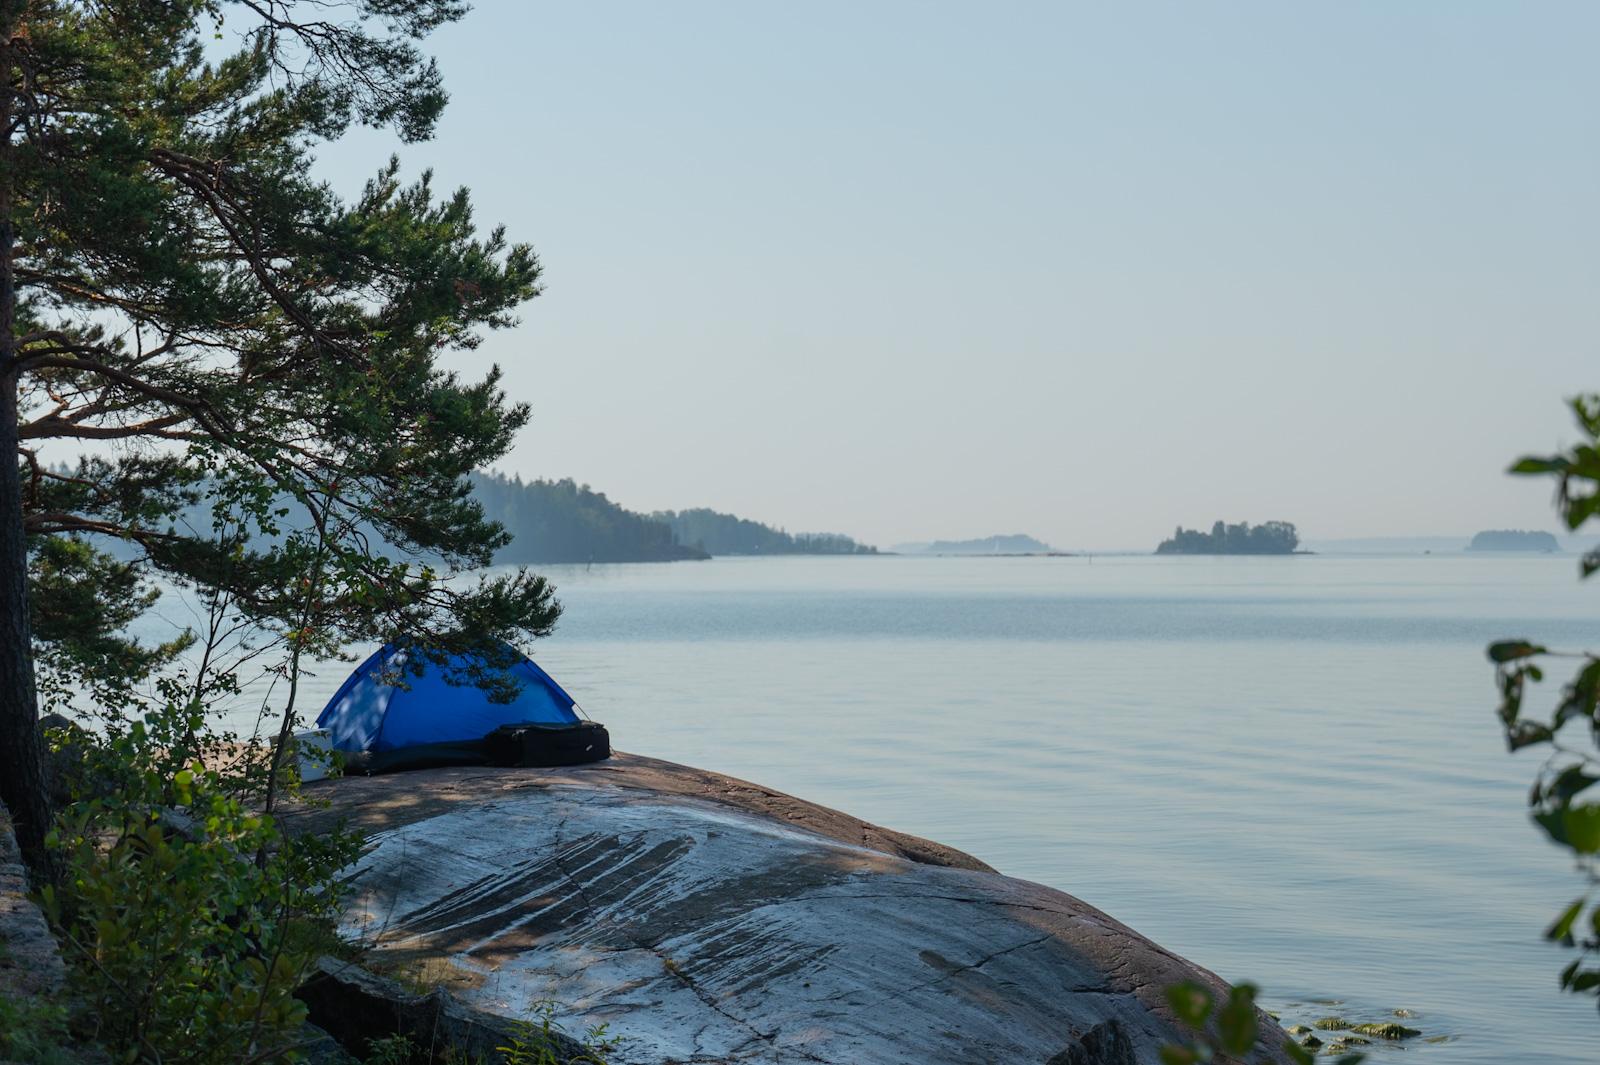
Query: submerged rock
1387,1030
704,932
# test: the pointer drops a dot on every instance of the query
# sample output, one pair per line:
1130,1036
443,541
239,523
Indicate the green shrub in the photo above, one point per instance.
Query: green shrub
182,913
537,1042
390,1050
32,1032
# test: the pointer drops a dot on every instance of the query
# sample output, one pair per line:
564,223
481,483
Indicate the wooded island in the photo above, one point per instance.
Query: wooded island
1268,538
1513,540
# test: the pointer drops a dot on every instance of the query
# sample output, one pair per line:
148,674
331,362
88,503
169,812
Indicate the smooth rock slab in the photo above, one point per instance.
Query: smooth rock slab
702,933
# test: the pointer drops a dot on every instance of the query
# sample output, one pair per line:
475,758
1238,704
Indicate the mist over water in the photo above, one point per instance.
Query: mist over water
1286,769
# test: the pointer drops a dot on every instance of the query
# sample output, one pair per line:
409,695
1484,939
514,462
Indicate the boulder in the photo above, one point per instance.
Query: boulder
349,1007
701,930
29,962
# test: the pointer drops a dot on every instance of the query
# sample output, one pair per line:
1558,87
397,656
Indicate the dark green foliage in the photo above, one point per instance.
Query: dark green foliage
724,534
183,911
81,601
33,1031
562,521
1559,800
1268,538
390,1050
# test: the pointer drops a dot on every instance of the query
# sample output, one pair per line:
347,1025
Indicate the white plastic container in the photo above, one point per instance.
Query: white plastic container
310,747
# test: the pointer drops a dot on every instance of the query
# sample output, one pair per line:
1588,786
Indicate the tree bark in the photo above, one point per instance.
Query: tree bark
22,783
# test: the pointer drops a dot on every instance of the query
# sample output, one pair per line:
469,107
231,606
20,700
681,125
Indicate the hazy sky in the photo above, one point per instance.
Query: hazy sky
923,270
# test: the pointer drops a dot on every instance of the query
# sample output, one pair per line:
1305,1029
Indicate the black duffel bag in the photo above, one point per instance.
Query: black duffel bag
536,744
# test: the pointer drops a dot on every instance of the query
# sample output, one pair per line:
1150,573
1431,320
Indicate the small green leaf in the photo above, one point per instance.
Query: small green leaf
1527,733
1191,1001
1511,650
1554,825
1236,1021
1583,828
1533,465
1569,782
1562,928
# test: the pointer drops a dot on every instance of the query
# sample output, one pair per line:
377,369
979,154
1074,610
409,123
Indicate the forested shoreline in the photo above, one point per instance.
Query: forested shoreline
564,522
727,534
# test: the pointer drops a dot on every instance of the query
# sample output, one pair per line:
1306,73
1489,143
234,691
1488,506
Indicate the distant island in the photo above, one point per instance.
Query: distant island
1017,544
1268,538
1513,540
725,534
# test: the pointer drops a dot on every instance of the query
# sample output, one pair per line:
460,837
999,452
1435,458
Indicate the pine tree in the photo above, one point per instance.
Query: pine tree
182,302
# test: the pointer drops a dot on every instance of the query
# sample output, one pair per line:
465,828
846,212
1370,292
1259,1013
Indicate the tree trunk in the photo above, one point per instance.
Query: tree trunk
22,783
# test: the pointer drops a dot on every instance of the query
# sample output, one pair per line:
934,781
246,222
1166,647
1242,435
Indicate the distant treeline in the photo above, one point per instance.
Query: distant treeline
1015,544
725,534
1268,538
563,521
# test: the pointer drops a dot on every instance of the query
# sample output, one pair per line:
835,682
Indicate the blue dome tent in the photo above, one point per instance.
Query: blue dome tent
425,720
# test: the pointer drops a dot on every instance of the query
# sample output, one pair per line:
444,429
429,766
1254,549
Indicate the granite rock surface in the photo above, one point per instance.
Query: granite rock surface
706,931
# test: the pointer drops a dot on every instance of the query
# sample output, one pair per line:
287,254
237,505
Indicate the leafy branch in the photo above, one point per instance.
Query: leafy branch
1557,800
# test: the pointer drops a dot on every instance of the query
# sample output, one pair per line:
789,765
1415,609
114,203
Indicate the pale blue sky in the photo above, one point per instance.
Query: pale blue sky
916,271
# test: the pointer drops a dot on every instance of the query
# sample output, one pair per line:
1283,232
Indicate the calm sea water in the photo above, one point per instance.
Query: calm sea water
1285,769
